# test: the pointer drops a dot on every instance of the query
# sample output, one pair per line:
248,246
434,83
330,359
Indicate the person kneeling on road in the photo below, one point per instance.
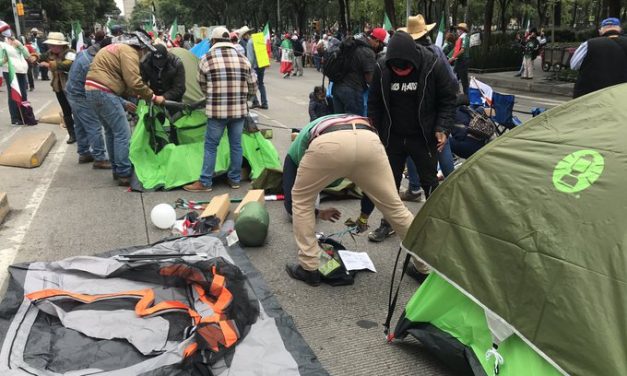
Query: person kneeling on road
331,148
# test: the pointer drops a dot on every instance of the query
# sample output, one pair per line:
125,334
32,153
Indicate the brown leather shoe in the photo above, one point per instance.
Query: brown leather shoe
85,158
197,186
124,181
102,165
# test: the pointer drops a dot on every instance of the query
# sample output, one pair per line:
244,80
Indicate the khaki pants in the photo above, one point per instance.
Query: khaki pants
527,67
355,154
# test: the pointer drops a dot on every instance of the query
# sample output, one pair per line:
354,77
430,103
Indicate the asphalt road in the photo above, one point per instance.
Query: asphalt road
63,209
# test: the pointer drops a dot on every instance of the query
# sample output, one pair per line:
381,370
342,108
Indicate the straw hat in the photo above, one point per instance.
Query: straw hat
463,26
243,31
417,27
56,39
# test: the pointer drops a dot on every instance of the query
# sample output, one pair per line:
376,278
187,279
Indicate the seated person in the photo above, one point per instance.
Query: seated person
318,104
463,143
164,73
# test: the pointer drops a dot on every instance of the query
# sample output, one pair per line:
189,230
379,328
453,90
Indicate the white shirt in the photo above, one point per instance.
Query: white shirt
16,57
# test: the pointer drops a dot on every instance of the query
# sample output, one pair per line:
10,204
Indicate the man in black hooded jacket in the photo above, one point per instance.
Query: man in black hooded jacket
164,73
412,105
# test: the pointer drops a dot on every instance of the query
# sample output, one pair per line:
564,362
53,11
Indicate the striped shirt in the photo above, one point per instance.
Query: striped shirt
227,80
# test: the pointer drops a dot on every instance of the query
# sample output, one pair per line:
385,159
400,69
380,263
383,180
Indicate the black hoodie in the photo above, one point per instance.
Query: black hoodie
435,95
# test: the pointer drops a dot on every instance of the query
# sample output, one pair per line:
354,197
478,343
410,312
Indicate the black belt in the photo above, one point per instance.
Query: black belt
344,127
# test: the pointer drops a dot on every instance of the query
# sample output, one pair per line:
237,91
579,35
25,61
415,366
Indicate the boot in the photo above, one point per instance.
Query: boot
312,278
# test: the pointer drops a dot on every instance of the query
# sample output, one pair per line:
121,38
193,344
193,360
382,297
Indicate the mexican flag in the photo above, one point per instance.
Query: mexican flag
174,29
387,24
77,32
266,37
16,94
439,40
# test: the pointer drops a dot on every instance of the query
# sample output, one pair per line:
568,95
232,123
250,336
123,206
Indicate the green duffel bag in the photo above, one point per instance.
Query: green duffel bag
252,224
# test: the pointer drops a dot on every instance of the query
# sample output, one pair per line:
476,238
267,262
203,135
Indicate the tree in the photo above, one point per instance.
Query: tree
503,5
487,24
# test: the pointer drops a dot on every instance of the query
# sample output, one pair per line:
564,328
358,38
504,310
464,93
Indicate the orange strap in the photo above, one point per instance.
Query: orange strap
143,307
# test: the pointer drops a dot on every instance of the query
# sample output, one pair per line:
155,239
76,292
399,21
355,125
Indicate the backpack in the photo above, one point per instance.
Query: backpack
340,58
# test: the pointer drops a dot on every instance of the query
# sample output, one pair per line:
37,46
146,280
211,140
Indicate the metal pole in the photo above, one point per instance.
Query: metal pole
408,10
16,17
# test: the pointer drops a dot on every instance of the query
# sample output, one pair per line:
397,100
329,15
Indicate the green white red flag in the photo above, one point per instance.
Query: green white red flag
14,86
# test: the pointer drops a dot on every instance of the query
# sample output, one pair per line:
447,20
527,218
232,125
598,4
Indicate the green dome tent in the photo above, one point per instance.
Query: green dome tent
161,163
527,242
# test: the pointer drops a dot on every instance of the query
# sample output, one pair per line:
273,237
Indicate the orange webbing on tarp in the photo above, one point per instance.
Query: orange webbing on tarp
219,330
143,307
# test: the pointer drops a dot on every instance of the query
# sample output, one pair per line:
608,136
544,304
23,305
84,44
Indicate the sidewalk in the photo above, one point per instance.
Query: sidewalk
542,82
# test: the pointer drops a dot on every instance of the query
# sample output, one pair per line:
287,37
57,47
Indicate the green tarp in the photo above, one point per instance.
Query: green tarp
177,165
532,228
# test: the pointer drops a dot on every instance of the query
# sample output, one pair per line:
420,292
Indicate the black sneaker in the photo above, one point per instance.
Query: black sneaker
312,278
383,232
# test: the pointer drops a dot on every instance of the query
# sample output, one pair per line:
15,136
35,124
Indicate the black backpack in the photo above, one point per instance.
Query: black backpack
340,58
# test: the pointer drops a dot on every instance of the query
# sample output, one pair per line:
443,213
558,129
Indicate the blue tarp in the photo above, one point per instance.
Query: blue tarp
201,48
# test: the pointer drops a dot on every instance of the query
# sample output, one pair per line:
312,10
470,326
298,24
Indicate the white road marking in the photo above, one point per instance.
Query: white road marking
16,129
555,102
20,225
9,135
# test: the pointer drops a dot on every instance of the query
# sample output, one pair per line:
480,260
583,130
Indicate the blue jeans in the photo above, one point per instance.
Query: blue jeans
87,129
261,86
317,62
109,109
445,158
215,130
347,100
13,108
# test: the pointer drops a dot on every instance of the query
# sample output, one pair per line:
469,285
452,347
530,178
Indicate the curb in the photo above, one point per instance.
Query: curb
533,87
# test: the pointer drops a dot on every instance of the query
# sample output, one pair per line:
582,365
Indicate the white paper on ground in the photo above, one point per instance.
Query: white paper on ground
356,260
232,238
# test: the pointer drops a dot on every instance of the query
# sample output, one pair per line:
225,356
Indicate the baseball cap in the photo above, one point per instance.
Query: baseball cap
379,34
160,55
610,22
220,32
5,29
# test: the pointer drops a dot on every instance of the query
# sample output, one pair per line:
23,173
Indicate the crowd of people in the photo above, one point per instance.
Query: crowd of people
392,105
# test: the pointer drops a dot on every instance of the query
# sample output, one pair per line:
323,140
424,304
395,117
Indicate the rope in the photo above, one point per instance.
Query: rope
498,359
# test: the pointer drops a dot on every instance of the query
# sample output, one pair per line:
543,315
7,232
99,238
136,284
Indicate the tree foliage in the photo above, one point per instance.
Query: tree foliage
61,13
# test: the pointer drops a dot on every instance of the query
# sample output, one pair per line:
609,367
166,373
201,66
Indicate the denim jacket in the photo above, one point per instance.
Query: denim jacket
75,86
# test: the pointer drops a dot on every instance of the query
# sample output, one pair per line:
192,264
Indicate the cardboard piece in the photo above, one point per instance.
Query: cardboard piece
28,150
258,195
4,206
218,206
53,117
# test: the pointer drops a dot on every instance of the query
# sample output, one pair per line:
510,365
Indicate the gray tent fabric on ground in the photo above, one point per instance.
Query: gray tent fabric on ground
60,337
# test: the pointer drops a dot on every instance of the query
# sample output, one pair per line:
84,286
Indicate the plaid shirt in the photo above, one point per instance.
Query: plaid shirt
228,81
